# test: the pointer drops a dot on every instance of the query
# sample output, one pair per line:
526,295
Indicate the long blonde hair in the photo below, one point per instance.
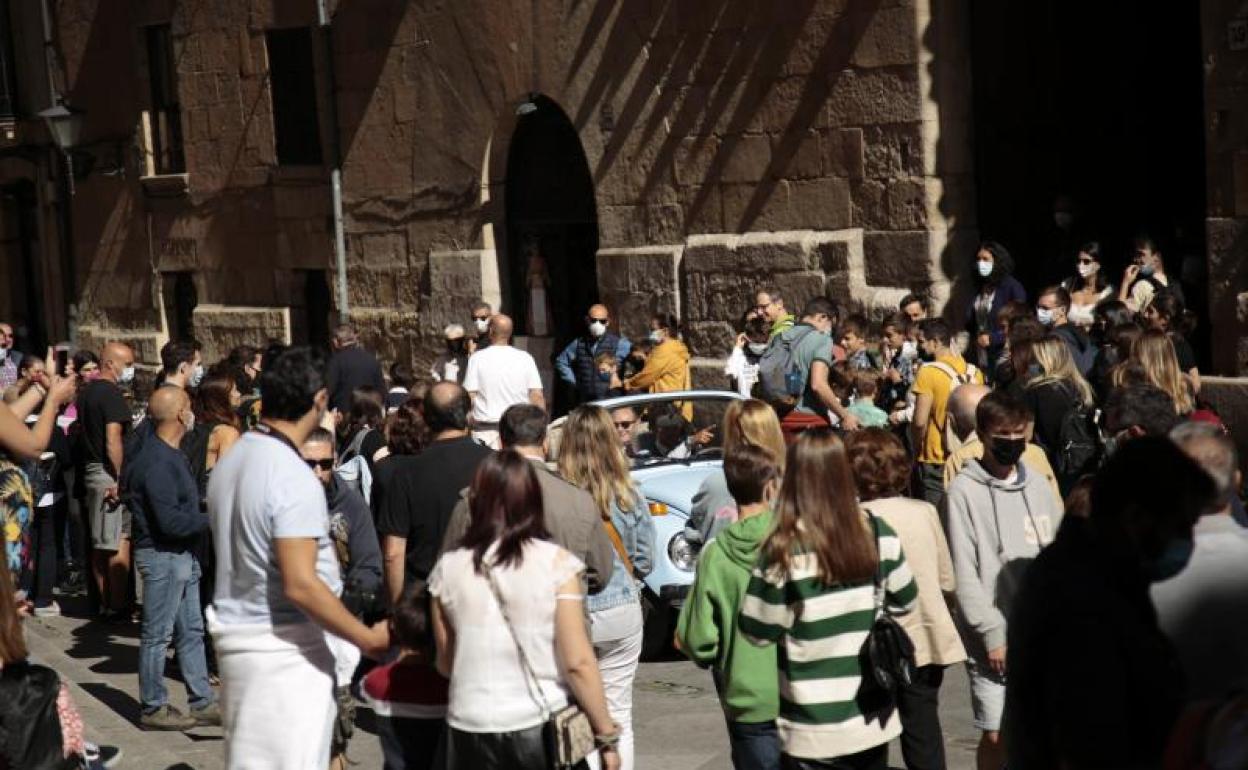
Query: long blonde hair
590,457
1154,352
1056,364
754,423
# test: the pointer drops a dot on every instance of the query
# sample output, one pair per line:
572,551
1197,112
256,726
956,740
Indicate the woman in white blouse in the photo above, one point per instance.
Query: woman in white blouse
509,621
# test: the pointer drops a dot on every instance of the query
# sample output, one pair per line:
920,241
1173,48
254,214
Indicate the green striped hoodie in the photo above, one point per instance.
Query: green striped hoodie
821,630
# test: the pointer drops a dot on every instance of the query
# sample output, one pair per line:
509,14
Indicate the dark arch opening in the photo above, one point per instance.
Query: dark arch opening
552,225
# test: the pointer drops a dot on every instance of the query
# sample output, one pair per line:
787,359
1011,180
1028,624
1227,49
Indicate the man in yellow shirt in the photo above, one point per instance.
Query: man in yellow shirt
962,411
943,372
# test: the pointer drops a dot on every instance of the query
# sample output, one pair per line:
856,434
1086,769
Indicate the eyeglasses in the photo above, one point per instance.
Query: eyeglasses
625,424
325,465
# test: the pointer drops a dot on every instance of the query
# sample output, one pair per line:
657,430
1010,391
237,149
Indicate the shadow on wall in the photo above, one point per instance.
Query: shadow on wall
743,84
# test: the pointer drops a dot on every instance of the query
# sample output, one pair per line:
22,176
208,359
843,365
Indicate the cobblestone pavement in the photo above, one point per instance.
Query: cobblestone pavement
676,715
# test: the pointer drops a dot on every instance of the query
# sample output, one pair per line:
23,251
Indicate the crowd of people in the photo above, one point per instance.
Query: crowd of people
1036,492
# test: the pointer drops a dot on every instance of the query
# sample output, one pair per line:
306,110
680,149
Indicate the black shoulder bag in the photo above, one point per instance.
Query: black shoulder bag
889,649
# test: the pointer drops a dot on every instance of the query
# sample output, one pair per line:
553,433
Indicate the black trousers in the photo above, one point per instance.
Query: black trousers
43,535
922,741
519,750
870,759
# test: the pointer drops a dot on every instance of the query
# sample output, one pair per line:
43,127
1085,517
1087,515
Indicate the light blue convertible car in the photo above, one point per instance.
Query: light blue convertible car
669,476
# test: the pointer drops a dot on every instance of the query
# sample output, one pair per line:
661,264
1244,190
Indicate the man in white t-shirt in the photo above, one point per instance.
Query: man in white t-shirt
500,376
277,584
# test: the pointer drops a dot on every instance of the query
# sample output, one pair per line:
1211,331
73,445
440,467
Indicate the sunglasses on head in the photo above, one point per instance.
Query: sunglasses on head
325,465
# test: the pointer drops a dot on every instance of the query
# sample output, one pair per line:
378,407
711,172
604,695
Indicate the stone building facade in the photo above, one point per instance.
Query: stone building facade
662,155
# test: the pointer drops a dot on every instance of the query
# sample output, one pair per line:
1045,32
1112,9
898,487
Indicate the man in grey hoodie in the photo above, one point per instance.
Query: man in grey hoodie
999,516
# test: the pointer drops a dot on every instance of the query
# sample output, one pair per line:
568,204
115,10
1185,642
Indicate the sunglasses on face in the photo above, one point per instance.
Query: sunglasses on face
625,424
480,318
325,465
598,320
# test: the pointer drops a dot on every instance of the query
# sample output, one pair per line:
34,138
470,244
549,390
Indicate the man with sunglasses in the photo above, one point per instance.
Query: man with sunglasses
481,313
350,526
9,358
575,364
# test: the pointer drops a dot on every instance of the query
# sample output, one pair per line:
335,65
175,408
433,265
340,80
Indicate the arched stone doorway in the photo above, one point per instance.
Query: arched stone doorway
551,233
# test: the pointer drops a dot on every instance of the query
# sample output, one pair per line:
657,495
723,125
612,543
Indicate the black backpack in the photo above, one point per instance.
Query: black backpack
1078,450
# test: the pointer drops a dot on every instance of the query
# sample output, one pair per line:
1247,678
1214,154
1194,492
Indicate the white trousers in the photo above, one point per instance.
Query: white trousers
616,634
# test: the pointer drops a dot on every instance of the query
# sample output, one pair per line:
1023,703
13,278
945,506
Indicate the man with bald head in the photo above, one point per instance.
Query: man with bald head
167,524
105,419
415,503
575,364
1204,608
962,405
498,377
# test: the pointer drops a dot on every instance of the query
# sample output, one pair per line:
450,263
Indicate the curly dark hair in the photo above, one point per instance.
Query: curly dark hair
879,462
406,431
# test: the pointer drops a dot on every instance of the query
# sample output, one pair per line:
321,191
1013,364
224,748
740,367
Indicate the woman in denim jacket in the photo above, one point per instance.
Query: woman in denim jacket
591,458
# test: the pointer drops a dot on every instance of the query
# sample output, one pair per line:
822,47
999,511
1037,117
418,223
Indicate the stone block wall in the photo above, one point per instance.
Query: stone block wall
1226,149
219,328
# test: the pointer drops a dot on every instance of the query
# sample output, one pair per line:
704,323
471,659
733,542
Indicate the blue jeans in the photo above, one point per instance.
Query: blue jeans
171,608
755,745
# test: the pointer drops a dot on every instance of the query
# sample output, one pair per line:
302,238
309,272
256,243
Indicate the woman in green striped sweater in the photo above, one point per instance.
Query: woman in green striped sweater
813,593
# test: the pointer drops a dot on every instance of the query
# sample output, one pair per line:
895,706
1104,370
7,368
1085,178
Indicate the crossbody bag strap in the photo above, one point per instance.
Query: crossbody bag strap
530,676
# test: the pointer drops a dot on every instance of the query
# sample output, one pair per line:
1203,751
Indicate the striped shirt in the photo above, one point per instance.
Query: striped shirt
822,630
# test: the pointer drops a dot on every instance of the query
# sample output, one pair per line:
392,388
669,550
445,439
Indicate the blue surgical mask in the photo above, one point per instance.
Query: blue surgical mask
984,268
1044,315
1147,271
656,336
127,376
1172,559
197,376
604,376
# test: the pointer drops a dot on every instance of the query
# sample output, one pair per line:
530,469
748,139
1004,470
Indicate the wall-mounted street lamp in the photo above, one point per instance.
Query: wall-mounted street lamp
65,125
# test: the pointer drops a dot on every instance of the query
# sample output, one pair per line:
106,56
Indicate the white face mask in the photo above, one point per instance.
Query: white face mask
4,352
597,328
984,268
190,422
127,376
757,348
656,336
482,324
197,376
1087,269
1044,315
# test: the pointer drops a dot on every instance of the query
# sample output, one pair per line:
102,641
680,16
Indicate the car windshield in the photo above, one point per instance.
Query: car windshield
675,430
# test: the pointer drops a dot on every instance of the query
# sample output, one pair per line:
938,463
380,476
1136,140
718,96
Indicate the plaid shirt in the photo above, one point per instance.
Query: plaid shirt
8,372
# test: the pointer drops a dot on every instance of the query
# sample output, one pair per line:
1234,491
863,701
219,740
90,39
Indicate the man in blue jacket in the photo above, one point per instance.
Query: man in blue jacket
576,363
167,521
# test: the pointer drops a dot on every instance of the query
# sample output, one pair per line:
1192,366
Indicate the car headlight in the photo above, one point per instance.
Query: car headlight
682,553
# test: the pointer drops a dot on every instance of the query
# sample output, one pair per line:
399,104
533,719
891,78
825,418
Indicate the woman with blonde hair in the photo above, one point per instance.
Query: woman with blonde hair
590,456
1053,389
813,591
1154,353
746,423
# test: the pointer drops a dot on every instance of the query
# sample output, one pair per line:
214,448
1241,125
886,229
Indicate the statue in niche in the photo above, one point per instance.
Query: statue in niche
538,318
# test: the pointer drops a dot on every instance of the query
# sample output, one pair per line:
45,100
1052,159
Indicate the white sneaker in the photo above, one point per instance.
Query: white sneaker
53,610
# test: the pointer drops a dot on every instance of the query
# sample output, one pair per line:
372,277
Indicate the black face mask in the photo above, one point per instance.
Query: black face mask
1008,451
455,347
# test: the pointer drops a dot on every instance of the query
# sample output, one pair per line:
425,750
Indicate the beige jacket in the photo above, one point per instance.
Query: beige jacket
930,625
1033,457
